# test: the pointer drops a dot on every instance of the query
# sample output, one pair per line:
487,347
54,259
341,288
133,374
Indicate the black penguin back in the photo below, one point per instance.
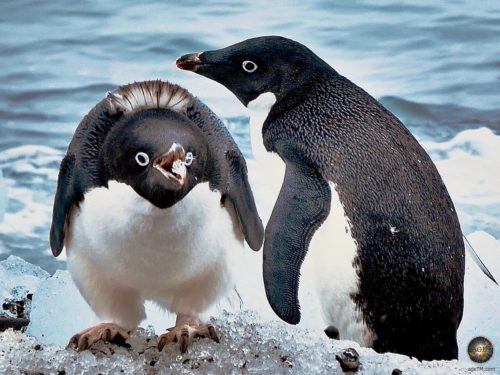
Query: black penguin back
410,250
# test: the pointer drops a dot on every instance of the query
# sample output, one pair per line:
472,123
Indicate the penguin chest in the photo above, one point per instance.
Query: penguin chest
267,170
152,249
333,250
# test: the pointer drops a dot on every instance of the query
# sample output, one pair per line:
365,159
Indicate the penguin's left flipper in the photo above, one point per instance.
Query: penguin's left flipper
240,194
229,174
303,205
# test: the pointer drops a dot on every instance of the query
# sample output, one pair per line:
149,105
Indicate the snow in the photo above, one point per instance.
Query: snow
18,278
482,297
253,340
57,302
247,346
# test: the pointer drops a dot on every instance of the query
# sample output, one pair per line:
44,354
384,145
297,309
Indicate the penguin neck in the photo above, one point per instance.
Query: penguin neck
260,108
296,92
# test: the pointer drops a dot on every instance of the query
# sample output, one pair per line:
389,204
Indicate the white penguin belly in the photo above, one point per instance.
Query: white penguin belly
333,250
267,171
176,257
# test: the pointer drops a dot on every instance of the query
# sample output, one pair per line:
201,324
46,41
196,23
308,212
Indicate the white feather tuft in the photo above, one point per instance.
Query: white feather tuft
147,95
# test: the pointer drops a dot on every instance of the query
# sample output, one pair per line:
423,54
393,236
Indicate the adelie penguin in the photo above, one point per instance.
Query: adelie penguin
359,192
152,197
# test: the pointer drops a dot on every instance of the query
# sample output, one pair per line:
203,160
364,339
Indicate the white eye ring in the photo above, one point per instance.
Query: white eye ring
142,159
249,66
189,159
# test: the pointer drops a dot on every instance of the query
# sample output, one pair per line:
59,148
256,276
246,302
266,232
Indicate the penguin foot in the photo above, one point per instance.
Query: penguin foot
186,329
332,332
349,360
107,332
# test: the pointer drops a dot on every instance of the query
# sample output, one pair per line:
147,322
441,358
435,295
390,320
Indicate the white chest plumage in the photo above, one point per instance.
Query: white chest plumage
332,249
176,257
267,171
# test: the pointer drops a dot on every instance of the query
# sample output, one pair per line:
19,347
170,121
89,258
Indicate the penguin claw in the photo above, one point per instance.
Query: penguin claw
107,332
184,332
165,339
349,360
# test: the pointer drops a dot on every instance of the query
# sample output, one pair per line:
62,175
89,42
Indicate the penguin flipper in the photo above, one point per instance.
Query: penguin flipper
478,260
302,206
241,196
85,145
229,174
65,197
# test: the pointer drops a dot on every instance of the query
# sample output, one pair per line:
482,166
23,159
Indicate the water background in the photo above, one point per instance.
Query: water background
435,64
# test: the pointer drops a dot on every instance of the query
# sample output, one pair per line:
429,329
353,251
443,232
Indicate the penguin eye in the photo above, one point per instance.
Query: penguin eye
189,159
249,66
142,159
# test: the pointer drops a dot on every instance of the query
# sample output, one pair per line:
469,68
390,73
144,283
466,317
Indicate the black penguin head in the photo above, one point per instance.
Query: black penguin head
160,153
256,66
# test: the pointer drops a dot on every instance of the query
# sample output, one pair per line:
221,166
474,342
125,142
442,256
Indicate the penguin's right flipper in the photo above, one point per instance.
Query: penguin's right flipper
478,260
302,206
66,196
89,137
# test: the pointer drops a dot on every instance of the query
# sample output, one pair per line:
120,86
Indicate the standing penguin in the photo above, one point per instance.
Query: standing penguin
359,192
152,196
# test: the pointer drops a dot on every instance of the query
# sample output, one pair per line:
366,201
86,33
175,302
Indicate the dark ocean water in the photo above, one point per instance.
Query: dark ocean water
435,64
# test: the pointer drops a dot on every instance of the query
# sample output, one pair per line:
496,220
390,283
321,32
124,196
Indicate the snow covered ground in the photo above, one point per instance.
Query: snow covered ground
248,346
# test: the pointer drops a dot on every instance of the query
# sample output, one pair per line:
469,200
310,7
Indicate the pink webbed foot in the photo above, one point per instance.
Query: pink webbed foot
107,332
186,329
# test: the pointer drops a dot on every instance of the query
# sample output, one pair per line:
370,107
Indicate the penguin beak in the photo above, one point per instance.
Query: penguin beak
172,165
190,62
216,66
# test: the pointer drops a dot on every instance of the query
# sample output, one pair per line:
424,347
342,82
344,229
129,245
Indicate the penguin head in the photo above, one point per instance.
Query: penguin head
256,66
160,153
